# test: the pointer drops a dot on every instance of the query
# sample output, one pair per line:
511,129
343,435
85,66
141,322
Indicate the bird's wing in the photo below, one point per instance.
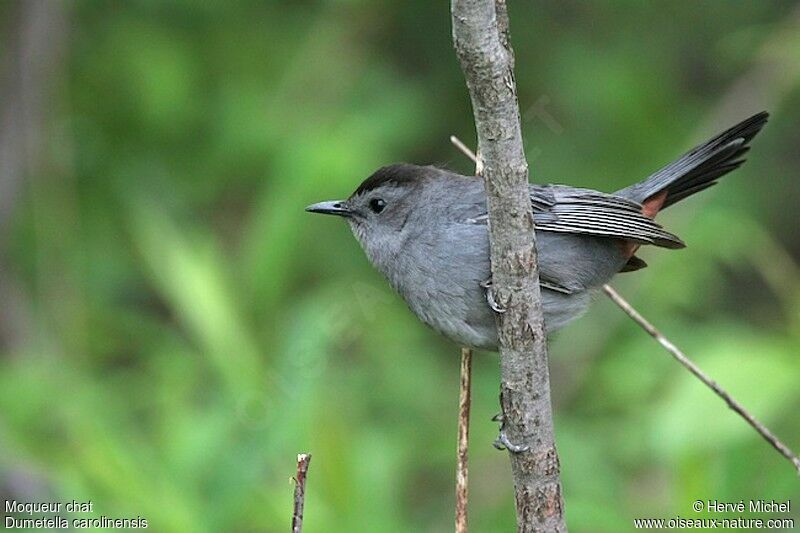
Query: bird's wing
563,209
586,212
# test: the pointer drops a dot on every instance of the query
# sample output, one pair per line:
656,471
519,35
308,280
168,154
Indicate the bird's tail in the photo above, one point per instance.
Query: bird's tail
699,168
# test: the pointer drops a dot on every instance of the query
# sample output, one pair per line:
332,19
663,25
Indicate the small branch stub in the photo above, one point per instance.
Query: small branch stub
303,460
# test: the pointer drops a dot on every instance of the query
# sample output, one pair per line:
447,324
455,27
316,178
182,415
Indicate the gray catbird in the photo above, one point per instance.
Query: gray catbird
425,229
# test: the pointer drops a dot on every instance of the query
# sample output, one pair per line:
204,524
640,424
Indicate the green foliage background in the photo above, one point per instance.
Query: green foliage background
189,328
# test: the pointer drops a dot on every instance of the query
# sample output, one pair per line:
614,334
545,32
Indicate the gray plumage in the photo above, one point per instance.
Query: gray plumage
425,229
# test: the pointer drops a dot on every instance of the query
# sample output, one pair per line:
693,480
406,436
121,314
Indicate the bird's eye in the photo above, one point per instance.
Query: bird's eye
377,204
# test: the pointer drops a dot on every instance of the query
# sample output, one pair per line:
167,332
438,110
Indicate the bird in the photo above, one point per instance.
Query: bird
425,229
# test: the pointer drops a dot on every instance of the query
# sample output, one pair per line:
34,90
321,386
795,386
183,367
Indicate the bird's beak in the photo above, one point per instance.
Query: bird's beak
334,207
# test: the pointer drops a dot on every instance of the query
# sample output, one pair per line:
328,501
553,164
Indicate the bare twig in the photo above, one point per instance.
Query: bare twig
702,376
462,466
464,148
303,459
480,37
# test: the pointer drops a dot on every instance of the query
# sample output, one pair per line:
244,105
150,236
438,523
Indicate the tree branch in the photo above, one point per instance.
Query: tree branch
702,376
303,460
480,37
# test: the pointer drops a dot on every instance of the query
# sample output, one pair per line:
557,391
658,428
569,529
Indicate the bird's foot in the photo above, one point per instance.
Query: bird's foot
496,307
502,442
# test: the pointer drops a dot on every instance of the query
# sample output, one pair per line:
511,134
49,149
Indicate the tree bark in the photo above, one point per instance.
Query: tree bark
480,37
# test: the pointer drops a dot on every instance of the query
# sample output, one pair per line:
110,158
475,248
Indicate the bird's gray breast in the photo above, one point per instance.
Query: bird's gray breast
439,274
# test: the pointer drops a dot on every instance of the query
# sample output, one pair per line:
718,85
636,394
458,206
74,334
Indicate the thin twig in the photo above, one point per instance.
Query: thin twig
464,149
462,466
303,459
694,369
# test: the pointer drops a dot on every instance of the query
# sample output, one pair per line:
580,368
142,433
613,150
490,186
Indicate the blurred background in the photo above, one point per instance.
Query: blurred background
174,329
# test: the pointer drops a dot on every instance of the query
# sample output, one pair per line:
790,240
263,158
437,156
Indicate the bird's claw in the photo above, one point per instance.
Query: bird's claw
496,307
502,442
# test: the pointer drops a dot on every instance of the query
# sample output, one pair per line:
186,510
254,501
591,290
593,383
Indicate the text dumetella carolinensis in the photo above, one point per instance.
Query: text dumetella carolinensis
425,229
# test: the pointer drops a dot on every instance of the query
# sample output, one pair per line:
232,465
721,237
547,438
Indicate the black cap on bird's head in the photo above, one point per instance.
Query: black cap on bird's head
397,175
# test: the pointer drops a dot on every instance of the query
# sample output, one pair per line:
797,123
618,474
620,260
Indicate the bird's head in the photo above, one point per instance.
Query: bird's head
381,207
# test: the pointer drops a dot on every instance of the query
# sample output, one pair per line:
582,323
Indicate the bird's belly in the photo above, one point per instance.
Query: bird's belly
460,313
474,326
